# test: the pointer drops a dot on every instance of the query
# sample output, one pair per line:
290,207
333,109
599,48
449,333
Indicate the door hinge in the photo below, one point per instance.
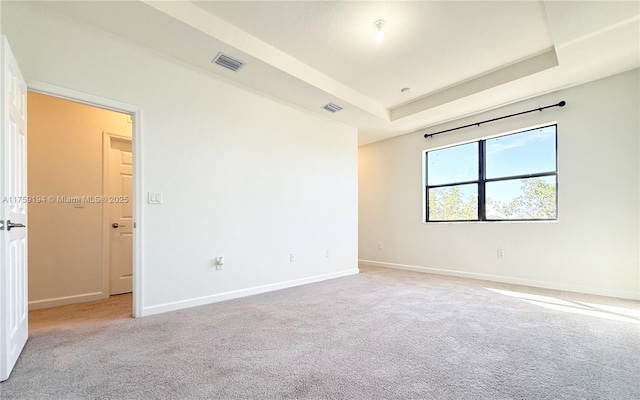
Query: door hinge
1,225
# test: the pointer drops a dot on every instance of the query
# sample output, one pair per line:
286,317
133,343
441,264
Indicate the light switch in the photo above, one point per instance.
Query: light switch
155,198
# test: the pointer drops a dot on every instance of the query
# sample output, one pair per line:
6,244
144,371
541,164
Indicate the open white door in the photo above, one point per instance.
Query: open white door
13,212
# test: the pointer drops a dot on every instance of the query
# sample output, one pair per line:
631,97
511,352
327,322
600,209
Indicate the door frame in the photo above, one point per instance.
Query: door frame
106,220
136,147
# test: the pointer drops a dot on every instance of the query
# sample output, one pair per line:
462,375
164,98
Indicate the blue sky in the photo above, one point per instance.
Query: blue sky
521,153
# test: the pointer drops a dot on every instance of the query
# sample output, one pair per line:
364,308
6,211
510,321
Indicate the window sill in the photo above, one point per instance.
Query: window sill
546,221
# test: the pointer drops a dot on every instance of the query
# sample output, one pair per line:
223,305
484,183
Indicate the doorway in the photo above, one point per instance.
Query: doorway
80,174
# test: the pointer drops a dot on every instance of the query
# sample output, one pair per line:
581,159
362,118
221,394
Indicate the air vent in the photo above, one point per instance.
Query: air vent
332,107
228,62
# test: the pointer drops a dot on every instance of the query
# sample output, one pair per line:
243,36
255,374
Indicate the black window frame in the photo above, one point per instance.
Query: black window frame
482,180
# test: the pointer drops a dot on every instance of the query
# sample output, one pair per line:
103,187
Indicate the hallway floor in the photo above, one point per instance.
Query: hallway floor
73,315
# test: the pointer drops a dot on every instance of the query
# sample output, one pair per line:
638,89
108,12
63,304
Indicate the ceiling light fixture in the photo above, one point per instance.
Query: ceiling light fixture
379,32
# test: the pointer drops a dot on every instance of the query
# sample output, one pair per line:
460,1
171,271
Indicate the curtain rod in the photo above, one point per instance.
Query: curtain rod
560,104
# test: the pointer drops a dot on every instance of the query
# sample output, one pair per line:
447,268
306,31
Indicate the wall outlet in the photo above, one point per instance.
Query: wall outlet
379,246
500,253
219,263
328,253
292,257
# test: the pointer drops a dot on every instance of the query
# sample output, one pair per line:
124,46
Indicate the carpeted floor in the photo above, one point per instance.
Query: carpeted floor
382,334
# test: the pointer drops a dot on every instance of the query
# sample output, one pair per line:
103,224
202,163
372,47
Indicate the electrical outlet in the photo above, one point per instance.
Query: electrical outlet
292,257
500,253
379,246
328,253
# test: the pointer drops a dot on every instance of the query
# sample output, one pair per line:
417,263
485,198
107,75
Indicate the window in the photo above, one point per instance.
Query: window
511,177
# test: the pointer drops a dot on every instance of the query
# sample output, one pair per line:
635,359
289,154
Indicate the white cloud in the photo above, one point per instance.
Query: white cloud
494,145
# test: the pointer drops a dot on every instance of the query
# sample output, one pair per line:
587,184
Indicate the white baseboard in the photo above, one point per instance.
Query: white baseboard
623,294
61,301
200,301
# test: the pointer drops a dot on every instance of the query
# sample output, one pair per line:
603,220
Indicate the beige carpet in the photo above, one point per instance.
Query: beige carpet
382,334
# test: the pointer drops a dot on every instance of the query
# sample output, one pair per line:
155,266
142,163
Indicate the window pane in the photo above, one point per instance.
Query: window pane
531,198
453,164
453,203
523,153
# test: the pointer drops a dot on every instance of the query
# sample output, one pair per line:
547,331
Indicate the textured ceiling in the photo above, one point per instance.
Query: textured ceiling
458,58
427,45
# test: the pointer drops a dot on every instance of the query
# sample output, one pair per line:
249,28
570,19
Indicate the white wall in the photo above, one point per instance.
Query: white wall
594,245
242,176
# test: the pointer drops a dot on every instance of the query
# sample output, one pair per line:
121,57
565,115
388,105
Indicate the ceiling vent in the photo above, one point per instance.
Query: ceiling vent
332,107
228,62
